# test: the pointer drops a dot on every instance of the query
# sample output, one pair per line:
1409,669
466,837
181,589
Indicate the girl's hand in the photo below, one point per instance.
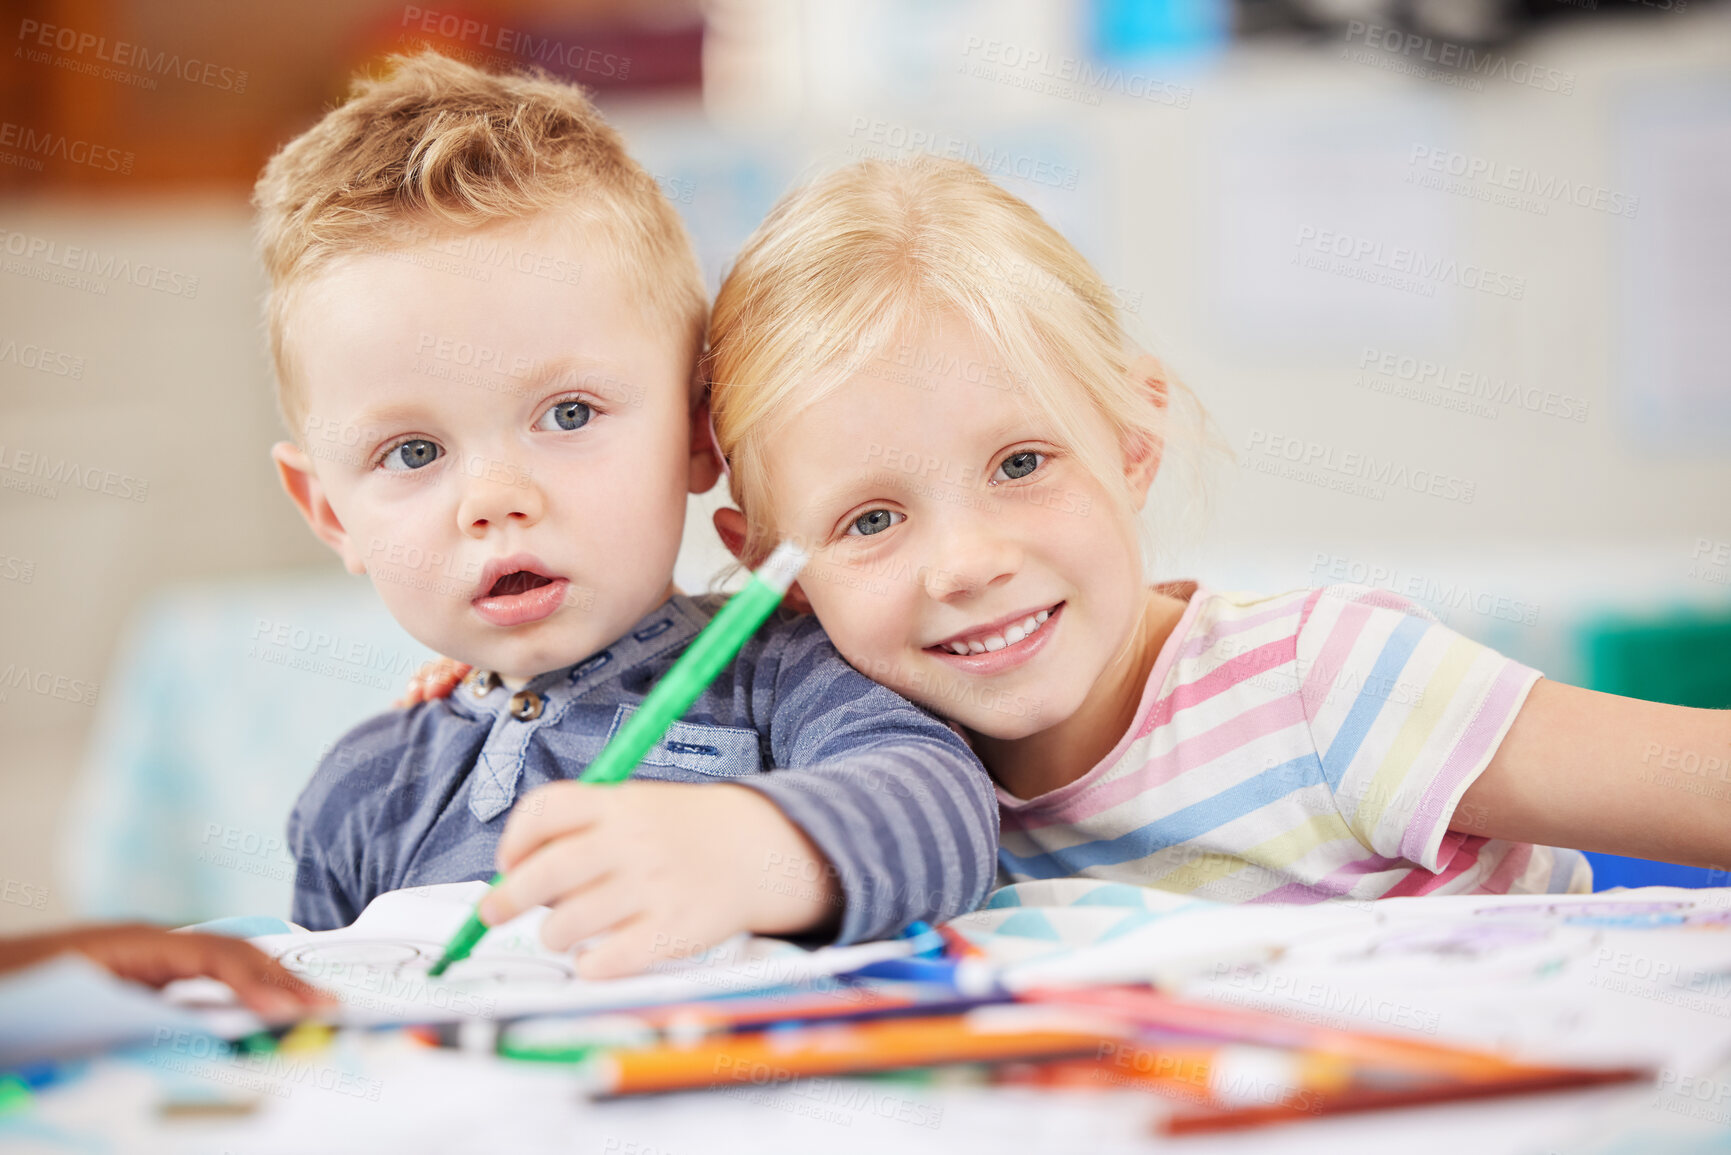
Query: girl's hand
434,680
153,956
666,870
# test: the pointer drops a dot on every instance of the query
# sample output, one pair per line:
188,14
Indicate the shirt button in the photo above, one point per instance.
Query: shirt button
525,705
481,682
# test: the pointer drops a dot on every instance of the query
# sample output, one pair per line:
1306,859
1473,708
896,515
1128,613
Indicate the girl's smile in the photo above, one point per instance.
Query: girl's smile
1000,645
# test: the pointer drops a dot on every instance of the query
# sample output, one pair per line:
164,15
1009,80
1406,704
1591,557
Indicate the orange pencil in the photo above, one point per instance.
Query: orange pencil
991,1034
1191,1072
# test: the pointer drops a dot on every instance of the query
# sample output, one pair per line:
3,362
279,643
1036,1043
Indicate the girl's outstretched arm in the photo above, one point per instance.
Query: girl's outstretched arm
1618,775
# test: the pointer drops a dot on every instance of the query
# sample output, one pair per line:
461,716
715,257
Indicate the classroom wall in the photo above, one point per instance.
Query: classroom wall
1195,211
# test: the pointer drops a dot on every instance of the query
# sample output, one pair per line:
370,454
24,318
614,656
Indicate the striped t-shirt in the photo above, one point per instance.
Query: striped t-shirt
1294,748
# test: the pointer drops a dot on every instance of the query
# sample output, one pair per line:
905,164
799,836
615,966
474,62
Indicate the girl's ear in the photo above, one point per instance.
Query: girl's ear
730,524
1142,451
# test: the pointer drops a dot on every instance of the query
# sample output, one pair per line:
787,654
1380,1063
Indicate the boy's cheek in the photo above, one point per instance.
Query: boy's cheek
353,557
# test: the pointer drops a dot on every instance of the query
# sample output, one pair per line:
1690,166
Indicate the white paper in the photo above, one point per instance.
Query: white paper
1639,977
378,967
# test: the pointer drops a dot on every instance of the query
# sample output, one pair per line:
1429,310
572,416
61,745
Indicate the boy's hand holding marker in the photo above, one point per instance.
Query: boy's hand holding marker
664,870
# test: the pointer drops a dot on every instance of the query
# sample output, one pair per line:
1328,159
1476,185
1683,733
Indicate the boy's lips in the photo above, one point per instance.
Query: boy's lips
1002,644
518,589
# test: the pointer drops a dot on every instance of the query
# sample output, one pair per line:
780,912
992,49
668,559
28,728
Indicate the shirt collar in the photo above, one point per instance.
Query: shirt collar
668,626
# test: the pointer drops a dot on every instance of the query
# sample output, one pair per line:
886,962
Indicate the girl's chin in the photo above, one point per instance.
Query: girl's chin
1002,715
1000,729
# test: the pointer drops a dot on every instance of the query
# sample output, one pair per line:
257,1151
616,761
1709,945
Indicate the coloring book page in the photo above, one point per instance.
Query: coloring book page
378,967
1628,976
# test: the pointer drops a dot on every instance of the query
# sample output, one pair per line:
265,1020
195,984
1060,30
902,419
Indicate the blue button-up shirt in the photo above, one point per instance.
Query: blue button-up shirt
895,800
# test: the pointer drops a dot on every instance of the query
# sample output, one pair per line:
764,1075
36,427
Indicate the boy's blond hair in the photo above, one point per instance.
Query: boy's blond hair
435,147
846,271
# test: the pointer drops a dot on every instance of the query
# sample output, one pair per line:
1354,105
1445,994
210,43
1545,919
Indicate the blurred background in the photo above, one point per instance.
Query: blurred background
1482,243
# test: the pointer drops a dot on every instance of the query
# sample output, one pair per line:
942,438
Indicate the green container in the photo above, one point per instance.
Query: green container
1681,657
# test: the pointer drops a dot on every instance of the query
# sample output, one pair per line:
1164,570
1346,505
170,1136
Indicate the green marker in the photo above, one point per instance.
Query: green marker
702,662
466,937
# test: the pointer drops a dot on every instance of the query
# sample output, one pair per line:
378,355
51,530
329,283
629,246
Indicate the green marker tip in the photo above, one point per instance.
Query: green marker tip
466,938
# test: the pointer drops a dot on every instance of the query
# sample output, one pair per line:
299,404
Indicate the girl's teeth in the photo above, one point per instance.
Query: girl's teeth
997,642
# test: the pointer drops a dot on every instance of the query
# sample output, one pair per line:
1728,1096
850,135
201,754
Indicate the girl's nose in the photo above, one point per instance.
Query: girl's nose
974,559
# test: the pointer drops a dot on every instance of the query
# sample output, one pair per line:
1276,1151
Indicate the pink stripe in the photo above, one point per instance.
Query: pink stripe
1197,750
1218,680
1422,881
1339,882
1233,734
1299,892
1513,865
1320,680
1200,642
1164,663
1477,744
1343,878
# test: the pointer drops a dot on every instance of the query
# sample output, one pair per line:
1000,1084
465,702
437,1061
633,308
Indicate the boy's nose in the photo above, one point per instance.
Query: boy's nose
497,497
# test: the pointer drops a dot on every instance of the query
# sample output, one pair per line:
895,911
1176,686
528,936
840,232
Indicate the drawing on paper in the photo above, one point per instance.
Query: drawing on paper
359,961
1620,915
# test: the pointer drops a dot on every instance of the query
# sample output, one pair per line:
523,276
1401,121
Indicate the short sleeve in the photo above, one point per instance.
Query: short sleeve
1405,713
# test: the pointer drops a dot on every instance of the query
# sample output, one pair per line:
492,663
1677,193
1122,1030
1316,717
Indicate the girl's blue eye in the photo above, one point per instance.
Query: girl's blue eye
1018,465
416,453
565,415
876,521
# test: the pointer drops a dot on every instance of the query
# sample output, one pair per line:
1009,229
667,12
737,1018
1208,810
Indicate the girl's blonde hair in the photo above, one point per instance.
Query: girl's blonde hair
861,258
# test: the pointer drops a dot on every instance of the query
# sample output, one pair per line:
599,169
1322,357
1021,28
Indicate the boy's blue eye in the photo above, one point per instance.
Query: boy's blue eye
876,521
1018,465
415,453
565,415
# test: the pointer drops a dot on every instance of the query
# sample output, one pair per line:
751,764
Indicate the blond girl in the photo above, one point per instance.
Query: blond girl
920,379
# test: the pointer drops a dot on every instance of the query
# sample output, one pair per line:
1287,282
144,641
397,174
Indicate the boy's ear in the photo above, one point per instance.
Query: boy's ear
295,471
1141,452
730,524
705,455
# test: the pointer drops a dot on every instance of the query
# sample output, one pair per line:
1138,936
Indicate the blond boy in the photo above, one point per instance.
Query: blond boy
485,320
